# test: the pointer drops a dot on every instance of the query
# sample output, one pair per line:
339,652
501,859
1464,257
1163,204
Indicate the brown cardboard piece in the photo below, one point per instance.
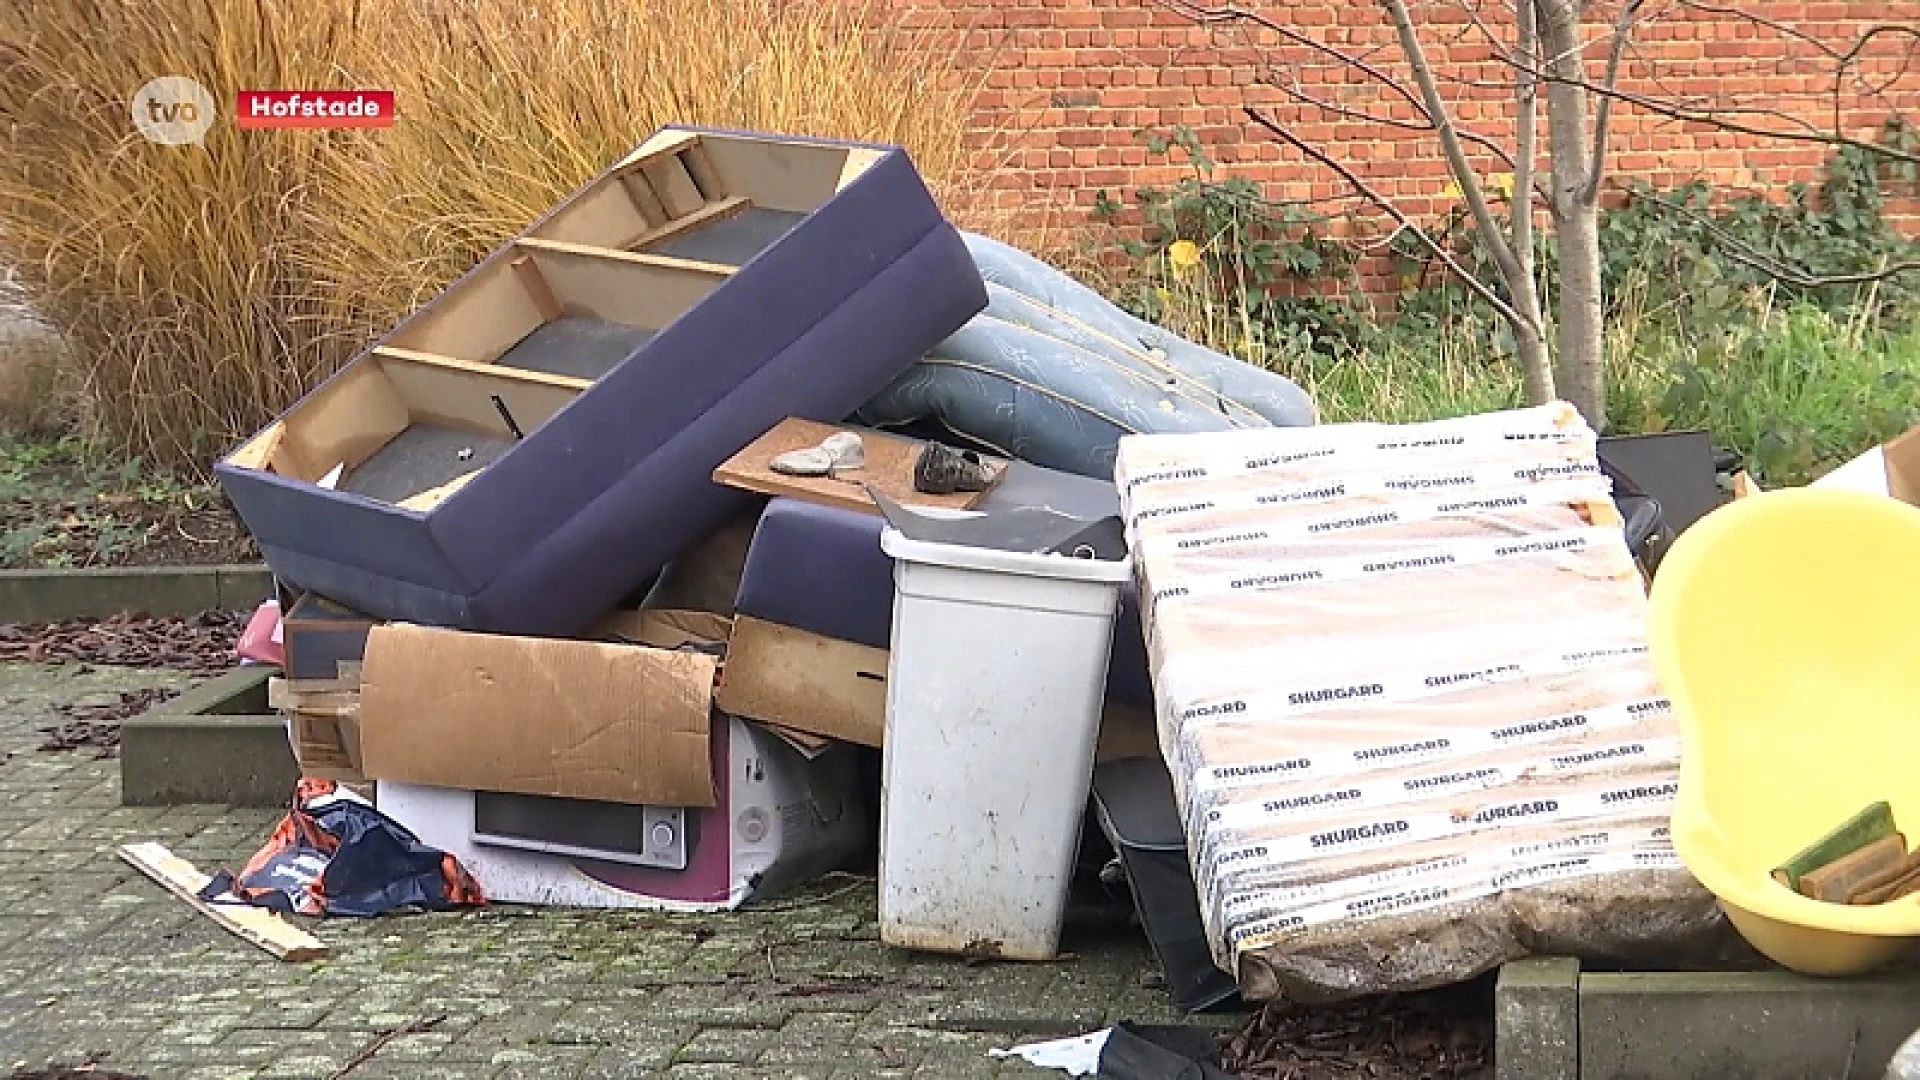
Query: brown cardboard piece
664,629
671,629
795,681
537,716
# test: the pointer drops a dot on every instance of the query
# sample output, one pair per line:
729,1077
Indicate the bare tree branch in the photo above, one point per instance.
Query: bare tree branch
1474,284
1603,112
1234,14
1742,252
1476,198
1723,117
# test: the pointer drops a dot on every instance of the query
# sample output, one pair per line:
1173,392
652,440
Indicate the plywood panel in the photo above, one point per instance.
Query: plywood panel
777,175
344,422
674,187
481,317
564,382
606,214
705,176
889,467
463,399
636,258
661,142
642,294
718,211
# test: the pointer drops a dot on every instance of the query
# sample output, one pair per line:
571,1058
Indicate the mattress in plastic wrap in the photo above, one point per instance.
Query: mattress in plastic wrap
1402,685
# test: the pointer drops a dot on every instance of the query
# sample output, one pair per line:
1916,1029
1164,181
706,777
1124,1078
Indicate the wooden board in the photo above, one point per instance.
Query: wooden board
258,925
889,467
345,422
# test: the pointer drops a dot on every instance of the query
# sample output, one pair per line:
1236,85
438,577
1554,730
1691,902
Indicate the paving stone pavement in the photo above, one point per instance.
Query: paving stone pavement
96,960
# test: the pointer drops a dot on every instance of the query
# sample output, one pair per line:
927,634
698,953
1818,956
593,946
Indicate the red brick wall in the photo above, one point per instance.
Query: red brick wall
1068,84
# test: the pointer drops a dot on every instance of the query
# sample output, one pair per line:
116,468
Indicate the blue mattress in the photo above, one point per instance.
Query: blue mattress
820,569
591,504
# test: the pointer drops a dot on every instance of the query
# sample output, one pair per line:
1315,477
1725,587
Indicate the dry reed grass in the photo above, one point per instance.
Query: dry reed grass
203,288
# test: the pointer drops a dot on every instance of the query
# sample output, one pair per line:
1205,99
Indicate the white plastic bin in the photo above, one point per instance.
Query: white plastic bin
995,682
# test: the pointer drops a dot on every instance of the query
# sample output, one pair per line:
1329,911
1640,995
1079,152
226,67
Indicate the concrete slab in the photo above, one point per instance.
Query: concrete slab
217,743
1537,1020
56,595
1745,1025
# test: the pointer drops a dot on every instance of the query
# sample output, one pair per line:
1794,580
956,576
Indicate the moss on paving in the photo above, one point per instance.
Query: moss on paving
95,960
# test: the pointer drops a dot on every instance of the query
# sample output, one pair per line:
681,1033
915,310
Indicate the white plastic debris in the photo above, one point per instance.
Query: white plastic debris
1078,1056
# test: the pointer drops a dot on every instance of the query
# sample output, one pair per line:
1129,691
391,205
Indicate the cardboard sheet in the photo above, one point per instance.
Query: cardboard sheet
537,716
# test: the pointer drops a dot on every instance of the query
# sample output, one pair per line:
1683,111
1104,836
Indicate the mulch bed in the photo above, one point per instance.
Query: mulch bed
202,643
1439,1035
97,727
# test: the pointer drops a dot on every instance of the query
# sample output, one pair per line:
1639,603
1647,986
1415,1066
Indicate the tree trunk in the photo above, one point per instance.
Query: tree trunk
1576,214
1536,364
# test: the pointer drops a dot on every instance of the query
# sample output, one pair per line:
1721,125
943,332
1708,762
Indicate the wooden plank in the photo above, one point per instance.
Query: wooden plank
432,497
463,399
344,422
644,200
782,175
413,356
606,213
718,211
481,316
889,467
705,176
327,747
258,452
264,928
673,185
660,144
858,161
528,271
641,294
632,258
318,696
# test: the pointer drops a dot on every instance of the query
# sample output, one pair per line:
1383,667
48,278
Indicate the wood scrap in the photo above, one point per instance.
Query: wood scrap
1887,891
264,928
1838,880
1908,865
889,466
1869,824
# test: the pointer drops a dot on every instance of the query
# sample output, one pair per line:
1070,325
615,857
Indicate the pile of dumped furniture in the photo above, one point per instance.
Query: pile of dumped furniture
741,512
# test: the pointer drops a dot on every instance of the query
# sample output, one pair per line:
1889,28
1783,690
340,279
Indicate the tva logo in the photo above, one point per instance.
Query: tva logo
173,110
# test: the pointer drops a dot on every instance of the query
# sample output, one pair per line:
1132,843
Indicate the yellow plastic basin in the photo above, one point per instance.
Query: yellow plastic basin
1786,630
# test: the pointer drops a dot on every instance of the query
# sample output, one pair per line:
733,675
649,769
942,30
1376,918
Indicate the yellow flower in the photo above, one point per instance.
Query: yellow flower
1451,191
1501,184
1183,255
1164,295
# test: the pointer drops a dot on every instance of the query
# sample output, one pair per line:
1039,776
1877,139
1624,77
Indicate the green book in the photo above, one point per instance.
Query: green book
1863,828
